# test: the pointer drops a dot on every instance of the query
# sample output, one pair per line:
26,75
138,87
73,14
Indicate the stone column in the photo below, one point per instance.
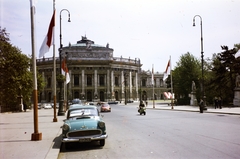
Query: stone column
83,85
136,84
130,85
108,84
95,85
70,84
43,92
112,85
122,84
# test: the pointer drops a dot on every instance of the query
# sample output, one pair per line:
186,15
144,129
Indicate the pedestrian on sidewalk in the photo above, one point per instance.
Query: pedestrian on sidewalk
25,107
201,105
216,102
220,102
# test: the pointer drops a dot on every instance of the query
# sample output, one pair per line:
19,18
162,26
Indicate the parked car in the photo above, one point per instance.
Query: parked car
57,105
47,106
39,106
105,107
83,124
76,101
113,102
99,102
130,101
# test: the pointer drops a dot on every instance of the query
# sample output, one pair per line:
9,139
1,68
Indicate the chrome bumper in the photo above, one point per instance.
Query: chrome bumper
77,139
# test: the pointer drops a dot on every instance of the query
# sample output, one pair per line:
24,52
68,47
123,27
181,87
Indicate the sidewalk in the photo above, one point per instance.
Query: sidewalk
16,130
210,109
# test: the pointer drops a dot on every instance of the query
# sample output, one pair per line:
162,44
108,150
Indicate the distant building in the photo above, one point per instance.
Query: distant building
96,75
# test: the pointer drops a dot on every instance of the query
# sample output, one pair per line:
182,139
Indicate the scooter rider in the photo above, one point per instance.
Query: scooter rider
141,105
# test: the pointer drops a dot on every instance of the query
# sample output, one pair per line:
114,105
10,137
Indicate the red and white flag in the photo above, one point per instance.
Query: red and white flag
65,71
167,71
48,41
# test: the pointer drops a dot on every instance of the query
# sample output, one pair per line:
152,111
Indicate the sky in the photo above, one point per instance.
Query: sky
152,30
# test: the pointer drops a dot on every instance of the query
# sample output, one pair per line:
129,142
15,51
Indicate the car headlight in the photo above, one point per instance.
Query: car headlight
65,127
101,124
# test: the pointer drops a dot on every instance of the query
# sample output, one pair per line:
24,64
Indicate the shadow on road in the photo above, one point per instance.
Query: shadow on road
69,147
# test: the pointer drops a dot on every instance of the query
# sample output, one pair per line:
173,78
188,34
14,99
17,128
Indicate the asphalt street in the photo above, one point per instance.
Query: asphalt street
163,134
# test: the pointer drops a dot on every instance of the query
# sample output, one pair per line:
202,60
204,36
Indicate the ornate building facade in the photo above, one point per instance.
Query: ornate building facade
96,75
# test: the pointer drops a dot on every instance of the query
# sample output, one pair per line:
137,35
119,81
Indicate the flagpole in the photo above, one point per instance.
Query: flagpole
153,85
54,73
36,135
171,83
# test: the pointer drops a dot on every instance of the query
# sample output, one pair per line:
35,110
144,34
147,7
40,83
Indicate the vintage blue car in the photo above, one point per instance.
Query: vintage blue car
84,124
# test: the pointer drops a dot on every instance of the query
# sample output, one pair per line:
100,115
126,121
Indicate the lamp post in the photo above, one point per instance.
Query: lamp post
202,81
60,110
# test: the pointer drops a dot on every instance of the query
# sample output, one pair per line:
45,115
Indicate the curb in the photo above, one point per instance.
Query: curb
196,111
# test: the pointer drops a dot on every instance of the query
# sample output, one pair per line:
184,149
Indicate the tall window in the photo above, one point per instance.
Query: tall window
143,82
76,80
89,80
116,81
49,81
101,80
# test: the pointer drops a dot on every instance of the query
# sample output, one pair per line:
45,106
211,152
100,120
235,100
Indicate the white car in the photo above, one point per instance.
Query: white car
47,106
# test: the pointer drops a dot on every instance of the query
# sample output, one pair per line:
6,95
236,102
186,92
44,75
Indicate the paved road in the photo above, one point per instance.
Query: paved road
163,134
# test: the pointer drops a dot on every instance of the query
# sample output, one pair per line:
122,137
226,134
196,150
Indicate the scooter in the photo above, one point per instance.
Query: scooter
142,110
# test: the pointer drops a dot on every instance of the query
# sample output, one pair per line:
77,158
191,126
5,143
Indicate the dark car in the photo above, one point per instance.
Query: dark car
130,101
113,102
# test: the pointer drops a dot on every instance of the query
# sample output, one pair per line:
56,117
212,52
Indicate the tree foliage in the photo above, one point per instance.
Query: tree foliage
16,77
224,69
188,69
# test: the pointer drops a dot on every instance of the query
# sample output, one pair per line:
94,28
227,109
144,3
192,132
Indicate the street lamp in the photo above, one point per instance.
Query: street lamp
60,110
202,82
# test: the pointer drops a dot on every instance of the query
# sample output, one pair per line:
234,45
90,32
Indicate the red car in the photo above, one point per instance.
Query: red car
105,107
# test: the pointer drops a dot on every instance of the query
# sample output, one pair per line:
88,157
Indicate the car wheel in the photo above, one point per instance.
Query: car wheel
102,142
144,113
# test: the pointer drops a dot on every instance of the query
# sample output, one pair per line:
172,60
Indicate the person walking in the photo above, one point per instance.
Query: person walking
216,102
220,102
201,105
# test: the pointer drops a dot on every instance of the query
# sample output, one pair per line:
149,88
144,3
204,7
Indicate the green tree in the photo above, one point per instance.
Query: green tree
188,69
16,77
224,69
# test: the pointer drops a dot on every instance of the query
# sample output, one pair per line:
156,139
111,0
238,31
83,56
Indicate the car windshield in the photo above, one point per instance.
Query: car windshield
76,101
83,112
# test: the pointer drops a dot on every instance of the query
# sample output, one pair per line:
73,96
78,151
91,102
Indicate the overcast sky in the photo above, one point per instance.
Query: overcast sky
152,30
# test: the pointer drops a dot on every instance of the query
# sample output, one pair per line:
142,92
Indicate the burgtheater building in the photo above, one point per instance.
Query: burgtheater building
96,75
